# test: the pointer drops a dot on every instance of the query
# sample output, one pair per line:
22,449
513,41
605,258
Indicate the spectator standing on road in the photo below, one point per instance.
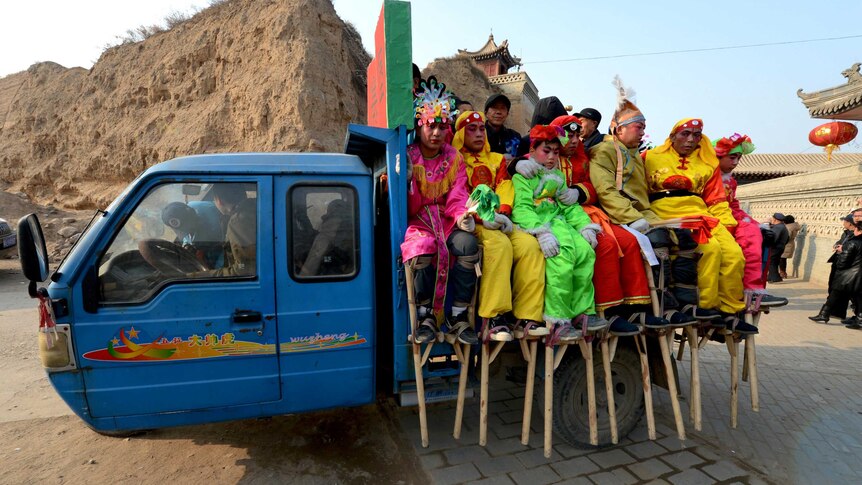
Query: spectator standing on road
781,238
846,282
793,228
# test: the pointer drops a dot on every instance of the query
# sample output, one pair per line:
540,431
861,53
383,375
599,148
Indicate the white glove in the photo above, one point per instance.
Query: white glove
569,196
492,225
549,244
527,168
466,223
641,225
505,223
590,233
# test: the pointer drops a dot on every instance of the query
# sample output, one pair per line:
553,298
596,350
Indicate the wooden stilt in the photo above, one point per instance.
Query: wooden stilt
681,352
640,342
462,351
609,390
612,346
528,392
663,338
751,352
695,408
587,353
418,358
733,349
549,397
483,395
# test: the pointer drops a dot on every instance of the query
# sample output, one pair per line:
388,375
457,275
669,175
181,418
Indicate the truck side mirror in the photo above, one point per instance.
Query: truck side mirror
31,249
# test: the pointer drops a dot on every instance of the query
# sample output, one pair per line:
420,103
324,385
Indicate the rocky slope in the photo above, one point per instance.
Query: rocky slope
244,75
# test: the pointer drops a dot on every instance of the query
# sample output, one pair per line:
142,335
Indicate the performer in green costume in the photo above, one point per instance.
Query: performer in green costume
562,231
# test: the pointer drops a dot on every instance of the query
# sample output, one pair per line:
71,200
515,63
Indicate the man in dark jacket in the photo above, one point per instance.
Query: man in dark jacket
846,280
590,133
547,110
502,140
782,237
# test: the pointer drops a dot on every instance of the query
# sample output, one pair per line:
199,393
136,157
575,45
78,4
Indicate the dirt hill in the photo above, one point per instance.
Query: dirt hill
244,75
463,77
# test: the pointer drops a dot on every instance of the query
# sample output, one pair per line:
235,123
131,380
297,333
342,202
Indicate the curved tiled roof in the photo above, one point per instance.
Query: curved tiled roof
781,164
491,50
841,100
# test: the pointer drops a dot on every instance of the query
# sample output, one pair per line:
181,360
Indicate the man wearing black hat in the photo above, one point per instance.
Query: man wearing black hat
502,140
782,237
590,134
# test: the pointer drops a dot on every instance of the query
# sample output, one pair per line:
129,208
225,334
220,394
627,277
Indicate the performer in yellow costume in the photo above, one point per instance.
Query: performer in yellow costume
683,180
503,248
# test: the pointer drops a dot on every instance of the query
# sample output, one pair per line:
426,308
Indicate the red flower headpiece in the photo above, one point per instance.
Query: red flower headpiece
735,143
546,133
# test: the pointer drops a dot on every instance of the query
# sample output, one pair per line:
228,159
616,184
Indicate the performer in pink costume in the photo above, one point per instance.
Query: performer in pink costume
730,151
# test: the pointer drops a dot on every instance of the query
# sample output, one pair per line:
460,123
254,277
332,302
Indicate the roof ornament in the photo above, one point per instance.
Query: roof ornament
852,73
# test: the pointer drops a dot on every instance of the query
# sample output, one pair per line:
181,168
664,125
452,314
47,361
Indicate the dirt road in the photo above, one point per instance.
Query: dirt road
41,441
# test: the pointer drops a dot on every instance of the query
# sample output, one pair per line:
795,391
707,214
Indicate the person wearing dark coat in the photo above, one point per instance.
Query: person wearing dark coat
590,133
847,279
547,110
782,237
501,139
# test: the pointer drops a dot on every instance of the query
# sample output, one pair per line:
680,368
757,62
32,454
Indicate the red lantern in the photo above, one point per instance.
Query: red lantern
830,135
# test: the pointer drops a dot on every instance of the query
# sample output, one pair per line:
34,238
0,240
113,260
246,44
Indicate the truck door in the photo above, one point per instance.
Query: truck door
325,298
186,302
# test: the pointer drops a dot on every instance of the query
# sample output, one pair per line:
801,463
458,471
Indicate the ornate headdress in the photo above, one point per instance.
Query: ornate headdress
433,104
734,143
626,112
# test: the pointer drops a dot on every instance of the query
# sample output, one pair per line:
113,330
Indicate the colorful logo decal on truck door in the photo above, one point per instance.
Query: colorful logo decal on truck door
322,342
122,348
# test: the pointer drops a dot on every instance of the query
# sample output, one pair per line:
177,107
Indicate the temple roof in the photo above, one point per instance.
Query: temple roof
844,102
782,164
491,50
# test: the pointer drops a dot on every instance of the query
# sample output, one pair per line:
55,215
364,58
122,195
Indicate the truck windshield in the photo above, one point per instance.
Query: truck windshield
181,231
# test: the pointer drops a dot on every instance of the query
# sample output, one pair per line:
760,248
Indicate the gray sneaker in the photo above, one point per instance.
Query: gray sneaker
596,323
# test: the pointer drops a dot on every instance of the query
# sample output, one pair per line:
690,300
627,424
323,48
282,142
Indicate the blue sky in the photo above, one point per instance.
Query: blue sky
749,91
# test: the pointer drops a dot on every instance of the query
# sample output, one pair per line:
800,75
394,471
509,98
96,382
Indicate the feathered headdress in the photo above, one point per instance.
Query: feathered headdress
432,103
626,112
734,143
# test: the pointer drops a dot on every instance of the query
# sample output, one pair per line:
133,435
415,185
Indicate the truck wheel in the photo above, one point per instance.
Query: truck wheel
571,420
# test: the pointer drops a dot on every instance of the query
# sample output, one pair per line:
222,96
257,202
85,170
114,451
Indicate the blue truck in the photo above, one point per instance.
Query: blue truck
163,314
